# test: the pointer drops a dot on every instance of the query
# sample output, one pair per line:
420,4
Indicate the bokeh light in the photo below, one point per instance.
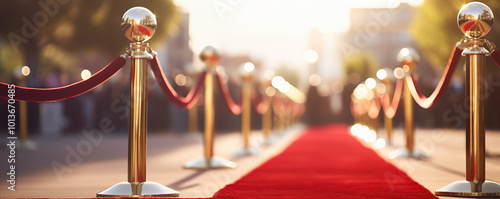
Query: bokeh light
371,83
399,73
180,80
311,56
314,80
381,74
85,74
25,70
249,67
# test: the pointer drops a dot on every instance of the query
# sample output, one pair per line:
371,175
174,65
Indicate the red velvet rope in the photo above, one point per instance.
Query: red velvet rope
65,92
278,105
426,102
496,57
260,105
184,102
233,107
390,108
374,109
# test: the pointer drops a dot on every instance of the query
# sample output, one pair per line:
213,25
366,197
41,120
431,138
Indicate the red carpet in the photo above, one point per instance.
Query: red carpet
325,162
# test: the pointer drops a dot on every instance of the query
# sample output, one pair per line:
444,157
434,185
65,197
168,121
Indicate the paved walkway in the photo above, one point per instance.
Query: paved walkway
83,172
446,162
106,163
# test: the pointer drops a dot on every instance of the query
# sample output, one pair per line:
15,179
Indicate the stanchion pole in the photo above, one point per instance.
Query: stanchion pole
246,110
384,75
210,57
24,144
139,25
388,128
23,129
209,115
267,121
408,58
193,119
267,117
409,120
475,20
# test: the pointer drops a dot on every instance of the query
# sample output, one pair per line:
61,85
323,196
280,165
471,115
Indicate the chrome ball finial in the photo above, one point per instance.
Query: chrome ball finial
408,56
475,19
210,56
138,24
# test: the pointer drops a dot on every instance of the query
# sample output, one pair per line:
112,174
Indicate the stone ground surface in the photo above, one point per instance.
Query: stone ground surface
105,164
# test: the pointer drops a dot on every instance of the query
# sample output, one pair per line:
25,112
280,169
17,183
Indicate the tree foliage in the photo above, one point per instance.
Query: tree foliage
44,31
362,63
435,28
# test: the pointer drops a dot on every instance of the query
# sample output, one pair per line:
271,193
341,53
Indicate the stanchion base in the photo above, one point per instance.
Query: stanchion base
463,189
268,141
212,163
246,151
26,145
405,153
138,189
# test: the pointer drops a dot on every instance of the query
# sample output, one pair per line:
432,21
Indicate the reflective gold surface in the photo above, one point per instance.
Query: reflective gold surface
193,119
246,113
210,57
23,121
475,19
138,24
267,121
389,88
409,120
475,146
408,57
138,121
209,116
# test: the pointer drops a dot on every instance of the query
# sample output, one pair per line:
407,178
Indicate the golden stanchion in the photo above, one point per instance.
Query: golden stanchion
267,121
408,58
23,129
246,111
209,116
138,117
372,119
24,144
384,75
267,117
210,57
139,25
475,20
277,122
388,129
409,120
193,119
